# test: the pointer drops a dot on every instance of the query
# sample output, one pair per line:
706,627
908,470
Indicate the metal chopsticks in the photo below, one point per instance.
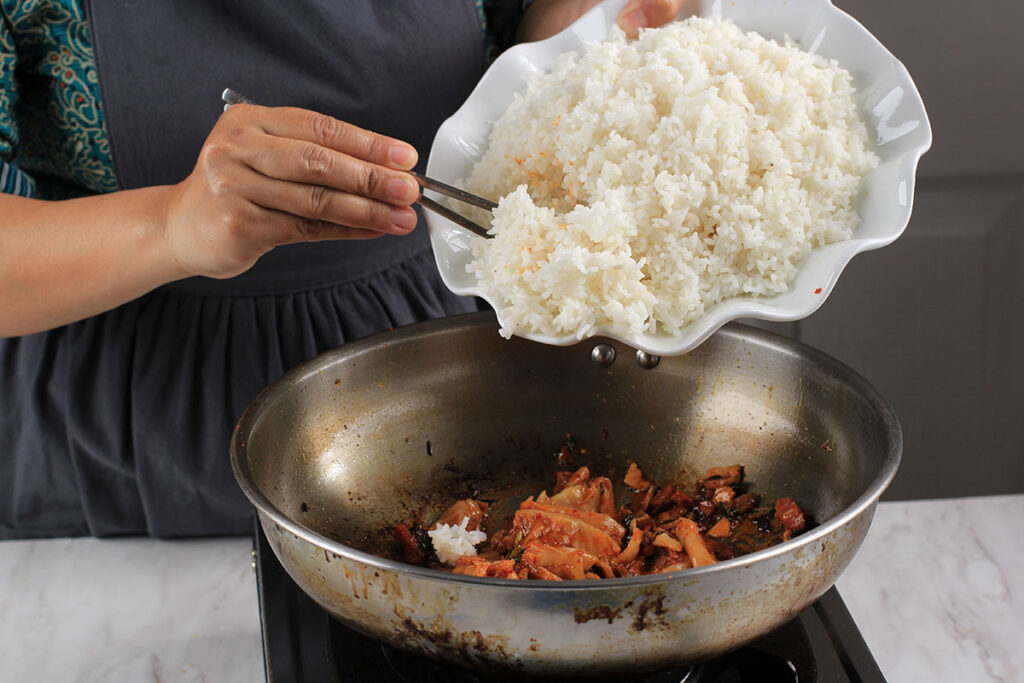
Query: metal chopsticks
457,194
230,97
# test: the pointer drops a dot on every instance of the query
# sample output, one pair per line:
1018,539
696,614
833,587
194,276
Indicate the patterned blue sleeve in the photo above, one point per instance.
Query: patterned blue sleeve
53,140
12,180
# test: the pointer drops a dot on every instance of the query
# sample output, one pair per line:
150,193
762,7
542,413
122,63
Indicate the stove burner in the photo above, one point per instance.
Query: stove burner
412,669
409,668
744,665
747,664
751,663
303,644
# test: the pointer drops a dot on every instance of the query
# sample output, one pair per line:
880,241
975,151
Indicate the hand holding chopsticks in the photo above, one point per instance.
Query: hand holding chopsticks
231,97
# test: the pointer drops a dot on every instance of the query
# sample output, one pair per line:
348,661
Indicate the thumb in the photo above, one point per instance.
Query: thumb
638,14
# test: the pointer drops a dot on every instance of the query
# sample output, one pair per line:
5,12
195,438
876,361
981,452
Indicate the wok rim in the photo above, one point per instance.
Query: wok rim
253,413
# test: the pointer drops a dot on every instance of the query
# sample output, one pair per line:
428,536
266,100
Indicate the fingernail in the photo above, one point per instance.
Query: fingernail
403,218
401,189
402,155
633,22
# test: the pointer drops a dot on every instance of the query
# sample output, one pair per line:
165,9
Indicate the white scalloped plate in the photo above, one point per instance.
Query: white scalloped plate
888,97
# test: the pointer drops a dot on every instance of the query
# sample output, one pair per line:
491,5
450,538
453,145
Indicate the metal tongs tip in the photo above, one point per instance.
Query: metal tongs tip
457,194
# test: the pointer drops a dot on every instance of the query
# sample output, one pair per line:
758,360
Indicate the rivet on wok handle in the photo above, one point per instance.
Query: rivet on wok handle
647,360
603,355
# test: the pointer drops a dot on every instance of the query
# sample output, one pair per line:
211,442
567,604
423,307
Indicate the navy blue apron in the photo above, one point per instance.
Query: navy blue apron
120,424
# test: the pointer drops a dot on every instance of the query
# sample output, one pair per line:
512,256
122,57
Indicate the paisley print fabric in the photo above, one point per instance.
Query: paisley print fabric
52,140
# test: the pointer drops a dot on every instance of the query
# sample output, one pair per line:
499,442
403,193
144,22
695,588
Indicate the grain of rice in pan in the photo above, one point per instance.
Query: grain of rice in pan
452,541
647,180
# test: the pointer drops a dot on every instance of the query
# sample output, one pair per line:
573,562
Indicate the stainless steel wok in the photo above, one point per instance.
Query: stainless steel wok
389,429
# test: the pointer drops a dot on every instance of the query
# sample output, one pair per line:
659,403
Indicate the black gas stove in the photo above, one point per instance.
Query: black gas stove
304,644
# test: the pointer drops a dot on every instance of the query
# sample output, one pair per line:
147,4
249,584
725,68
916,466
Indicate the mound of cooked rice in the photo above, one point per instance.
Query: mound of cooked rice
646,180
452,541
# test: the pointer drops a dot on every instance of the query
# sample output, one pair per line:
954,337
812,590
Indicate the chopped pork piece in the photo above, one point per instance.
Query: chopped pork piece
789,514
723,476
720,528
411,549
474,510
634,478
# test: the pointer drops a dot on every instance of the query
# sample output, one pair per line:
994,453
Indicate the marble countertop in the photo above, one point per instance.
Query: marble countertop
937,590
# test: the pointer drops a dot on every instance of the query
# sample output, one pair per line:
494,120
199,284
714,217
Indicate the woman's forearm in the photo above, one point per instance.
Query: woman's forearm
264,177
61,261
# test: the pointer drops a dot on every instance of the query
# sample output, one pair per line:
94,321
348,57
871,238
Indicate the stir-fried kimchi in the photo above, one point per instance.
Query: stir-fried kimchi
579,532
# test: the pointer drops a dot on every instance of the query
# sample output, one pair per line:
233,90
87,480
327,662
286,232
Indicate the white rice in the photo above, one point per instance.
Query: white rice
649,179
452,541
